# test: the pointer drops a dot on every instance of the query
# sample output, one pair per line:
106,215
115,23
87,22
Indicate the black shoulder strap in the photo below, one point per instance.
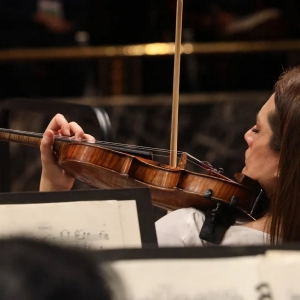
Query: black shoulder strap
216,223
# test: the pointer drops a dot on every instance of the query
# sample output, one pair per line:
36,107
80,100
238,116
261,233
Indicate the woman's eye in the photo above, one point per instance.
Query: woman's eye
255,130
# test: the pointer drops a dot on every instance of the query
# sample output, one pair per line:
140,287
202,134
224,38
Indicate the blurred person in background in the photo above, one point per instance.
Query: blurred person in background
231,20
42,24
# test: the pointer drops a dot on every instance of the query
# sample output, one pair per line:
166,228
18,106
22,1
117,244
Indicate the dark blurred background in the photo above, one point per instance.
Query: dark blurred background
222,92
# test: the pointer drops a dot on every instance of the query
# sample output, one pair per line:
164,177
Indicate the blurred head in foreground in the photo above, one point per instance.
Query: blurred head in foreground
35,270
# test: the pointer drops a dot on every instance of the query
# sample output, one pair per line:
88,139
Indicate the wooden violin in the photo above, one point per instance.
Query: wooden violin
171,187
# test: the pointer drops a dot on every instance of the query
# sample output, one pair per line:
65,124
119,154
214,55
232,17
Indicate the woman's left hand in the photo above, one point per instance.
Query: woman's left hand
53,177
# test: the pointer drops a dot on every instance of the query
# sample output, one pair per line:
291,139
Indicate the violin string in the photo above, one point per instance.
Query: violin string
72,138
162,151
158,152
192,159
134,146
126,146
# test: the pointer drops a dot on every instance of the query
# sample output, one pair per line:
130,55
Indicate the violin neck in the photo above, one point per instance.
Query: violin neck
22,137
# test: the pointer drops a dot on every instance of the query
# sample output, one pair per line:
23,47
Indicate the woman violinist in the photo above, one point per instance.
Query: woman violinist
272,159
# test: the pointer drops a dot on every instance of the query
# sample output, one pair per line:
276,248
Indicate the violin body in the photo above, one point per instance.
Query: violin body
171,187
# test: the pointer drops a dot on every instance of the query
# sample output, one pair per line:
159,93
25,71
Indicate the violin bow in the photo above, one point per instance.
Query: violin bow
176,79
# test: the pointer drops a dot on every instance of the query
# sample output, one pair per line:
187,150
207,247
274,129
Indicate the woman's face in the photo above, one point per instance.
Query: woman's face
261,162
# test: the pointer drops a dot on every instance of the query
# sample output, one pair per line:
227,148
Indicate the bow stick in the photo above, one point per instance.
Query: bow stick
176,77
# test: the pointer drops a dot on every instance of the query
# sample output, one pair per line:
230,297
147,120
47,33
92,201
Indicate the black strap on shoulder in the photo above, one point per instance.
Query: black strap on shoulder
217,221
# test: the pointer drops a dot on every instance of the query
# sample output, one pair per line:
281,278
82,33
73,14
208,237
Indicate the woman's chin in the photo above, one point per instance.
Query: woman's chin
245,171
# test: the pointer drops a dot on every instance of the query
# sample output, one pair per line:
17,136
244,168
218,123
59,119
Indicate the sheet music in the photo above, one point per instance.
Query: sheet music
89,224
280,270
130,224
189,279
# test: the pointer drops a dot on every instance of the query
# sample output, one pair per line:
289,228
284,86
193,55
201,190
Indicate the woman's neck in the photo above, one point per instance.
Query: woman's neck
261,224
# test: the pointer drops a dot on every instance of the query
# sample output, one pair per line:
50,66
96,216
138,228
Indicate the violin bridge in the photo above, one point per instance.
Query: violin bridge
182,160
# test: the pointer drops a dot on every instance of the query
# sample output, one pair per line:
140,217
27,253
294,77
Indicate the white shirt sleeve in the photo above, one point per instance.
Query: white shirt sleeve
181,228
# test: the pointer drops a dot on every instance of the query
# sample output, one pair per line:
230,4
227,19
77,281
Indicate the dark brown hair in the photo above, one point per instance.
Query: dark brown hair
285,124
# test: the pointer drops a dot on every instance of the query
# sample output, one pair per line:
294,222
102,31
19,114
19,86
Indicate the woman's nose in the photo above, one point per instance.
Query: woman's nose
249,138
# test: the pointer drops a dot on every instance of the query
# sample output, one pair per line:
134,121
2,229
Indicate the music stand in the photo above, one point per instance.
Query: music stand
141,196
215,272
